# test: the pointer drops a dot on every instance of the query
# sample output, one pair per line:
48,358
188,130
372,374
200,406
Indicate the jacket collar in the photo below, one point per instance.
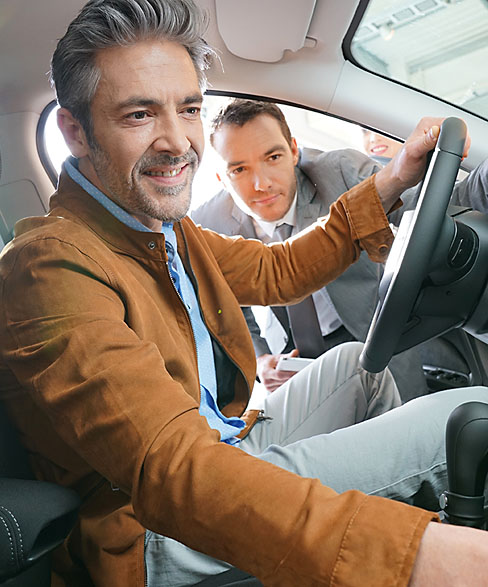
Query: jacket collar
70,201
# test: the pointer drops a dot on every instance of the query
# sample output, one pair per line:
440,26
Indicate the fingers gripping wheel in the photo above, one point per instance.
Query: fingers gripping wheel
467,465
414,246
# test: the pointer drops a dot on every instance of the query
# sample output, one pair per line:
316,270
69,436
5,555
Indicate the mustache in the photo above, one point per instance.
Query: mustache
148,161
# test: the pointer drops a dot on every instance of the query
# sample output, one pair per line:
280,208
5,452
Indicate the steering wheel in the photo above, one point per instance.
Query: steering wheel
424,235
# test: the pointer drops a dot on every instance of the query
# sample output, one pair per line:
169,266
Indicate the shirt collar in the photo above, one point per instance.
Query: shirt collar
71,168
289,218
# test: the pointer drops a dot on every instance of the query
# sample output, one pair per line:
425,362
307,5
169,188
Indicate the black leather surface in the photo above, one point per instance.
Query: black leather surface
35,516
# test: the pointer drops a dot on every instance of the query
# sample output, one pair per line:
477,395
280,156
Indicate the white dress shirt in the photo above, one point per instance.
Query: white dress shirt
327,315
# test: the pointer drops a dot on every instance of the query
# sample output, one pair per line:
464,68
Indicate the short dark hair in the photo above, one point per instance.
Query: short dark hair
240,111
103,24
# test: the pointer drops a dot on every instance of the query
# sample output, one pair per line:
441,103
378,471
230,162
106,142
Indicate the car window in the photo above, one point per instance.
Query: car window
311,129
437,46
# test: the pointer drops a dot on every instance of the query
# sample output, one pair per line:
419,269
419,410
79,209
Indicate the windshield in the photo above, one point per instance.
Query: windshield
438,46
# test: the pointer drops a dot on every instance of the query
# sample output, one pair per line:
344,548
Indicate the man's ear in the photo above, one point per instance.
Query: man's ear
294,150
73,133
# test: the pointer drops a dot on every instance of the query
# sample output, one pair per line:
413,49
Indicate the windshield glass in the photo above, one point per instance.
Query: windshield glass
438,46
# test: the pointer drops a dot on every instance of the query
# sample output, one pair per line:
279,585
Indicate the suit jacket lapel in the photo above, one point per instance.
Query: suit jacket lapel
241,224
308,207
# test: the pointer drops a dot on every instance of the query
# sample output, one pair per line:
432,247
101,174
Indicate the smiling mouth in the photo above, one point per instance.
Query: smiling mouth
379,149
170,173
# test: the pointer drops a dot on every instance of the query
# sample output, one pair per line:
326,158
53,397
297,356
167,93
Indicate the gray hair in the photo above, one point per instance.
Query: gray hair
103,24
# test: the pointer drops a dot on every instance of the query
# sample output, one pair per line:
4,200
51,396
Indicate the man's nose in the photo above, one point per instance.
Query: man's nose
262,181
171,137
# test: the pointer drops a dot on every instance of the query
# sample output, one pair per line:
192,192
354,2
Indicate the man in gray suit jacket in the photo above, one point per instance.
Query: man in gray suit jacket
268,181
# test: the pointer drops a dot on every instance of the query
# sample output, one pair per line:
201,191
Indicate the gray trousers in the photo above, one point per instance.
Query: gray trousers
321,426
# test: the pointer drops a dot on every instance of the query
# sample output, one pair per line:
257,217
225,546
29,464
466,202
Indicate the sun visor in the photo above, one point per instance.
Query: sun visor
262,30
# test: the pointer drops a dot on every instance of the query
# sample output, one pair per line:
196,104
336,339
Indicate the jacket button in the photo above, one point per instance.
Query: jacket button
151,245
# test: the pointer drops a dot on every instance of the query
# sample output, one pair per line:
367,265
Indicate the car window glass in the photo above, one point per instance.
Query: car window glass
437,46
311,129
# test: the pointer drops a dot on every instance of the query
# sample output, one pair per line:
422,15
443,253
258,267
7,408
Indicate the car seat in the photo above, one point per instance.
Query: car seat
35,516
454,359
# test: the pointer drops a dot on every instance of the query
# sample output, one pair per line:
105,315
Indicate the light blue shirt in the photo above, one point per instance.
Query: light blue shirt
228,427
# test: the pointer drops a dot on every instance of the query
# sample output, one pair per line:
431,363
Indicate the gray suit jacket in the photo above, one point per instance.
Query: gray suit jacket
321,178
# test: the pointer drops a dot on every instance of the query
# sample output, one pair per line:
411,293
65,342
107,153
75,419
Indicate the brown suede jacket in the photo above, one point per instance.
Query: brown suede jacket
98,370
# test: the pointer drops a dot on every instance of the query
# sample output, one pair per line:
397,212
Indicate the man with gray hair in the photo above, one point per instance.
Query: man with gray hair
128,363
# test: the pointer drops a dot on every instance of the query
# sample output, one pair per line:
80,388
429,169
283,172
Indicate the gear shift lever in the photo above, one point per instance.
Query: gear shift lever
467,465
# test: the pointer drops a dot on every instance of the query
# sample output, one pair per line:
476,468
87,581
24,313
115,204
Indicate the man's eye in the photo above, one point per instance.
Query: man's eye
193,111
139,115
237,170
275,157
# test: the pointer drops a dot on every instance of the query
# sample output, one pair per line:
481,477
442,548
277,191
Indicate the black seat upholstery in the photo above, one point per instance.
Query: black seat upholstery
35,517
455,359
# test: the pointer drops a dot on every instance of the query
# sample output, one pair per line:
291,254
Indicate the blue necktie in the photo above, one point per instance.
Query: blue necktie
171,264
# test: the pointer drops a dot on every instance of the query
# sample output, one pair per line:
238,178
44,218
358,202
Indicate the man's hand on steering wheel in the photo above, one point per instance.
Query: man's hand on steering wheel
406,169
425,239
